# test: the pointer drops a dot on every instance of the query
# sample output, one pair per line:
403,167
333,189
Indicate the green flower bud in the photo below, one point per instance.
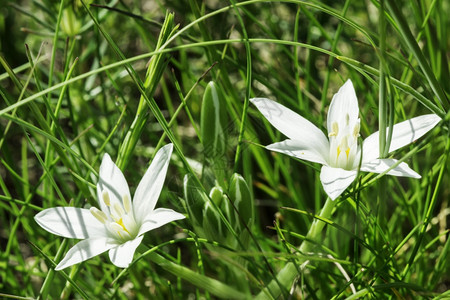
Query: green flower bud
70,24
216,195
212,224
242,199
213,122
213,129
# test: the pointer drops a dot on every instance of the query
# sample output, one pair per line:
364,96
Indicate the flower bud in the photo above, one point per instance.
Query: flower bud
195,200
213,129
216,195
212,224
70,23
240,196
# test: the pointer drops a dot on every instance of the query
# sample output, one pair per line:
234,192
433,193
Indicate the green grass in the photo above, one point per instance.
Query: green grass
127,77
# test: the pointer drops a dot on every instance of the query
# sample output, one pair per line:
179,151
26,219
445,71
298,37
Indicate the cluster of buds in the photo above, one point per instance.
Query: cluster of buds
222,215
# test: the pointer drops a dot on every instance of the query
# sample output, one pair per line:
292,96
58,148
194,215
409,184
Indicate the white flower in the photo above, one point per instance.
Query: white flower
340,154
120,224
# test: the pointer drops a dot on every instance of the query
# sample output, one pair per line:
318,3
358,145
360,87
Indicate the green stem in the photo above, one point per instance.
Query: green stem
382,122
288,274
248,84
429,211
382,97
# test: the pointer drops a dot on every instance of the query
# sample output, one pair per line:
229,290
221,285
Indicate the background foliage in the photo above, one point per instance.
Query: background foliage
68,95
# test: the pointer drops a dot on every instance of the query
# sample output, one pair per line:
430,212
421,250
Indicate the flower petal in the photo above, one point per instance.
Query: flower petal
122,255
111,179
70,222
299,150
403,134
336,180
344,107
293,125
150,186
84,250
158,218
381,165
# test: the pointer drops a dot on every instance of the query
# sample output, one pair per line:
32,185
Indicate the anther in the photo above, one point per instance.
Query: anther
335,128
98,214
126,203
356,130
106,199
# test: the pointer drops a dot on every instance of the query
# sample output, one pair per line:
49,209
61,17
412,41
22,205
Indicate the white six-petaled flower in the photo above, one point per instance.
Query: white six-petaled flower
340,153
119,225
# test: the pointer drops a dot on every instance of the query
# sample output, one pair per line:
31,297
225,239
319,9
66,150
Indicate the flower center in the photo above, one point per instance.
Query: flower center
343,144
118,219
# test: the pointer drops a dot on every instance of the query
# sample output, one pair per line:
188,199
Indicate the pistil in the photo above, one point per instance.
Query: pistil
118,217
343,139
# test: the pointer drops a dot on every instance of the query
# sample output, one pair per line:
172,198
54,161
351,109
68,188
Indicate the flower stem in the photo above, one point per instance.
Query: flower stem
156,67
211,285
382,105
383,116
287,275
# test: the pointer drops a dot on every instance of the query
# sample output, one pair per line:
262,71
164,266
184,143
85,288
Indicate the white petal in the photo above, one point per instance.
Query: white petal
299,150
70,222
122,255
84,250
293,125
148,190
403,134
336,180
343,105
159,217
112,180
381,165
